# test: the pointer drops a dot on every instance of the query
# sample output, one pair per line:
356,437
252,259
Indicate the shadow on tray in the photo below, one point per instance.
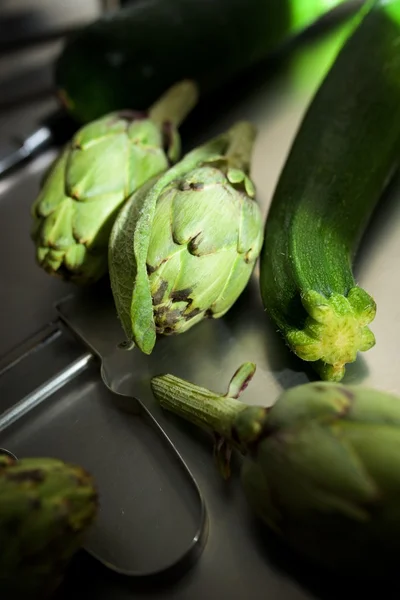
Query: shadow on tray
89,576
323,584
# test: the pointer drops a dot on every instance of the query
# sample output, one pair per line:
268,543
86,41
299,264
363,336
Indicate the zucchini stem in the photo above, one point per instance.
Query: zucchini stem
335,330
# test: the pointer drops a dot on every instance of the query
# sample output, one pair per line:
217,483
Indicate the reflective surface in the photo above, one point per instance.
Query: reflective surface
240,560
151,517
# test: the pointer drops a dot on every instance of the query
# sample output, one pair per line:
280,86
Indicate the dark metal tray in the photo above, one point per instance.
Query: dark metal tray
152,517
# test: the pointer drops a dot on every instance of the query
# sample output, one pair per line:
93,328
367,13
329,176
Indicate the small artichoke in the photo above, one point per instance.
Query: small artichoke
321,468
184,246
103,164
46,506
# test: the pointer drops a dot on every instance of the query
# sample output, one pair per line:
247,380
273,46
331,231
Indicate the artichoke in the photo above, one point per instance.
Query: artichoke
103,164
184,246
46,507
321,467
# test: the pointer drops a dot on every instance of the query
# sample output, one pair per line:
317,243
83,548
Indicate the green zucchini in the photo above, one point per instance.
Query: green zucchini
127,59
343,154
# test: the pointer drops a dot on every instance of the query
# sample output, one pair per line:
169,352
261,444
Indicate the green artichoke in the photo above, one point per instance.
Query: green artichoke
321,467
46,507
184,247
103,164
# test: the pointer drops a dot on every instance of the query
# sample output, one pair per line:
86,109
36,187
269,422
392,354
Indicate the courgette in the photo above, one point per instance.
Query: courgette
343,154
127,59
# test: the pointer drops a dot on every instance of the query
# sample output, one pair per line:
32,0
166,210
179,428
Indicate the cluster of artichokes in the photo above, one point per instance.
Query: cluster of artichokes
179,241
104,163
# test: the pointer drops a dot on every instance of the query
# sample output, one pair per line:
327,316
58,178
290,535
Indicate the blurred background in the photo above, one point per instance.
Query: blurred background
31,34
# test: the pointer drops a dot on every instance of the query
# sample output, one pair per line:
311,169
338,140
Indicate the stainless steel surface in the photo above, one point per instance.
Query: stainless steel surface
44,391
125,553
27,294
55,129
7,453
33,143
26,21
31,37
46,335
34,366
152,519
239,560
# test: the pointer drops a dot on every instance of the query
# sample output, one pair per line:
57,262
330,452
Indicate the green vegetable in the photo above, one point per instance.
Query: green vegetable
342,156
184,247
46,506
128,58
105,162
321,467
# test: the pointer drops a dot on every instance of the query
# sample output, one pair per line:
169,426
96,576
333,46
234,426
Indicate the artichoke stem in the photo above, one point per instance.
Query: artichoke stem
177,102
201,406
241,142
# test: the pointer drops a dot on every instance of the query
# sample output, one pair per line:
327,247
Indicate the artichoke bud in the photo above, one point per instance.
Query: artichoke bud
104,163
326,474
195,235
321,466
46,507
249,426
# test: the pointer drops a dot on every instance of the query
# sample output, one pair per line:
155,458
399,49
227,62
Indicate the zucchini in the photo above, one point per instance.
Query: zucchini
343,154
127,59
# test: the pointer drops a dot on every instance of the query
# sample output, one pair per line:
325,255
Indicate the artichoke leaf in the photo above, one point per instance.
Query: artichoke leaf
128,245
